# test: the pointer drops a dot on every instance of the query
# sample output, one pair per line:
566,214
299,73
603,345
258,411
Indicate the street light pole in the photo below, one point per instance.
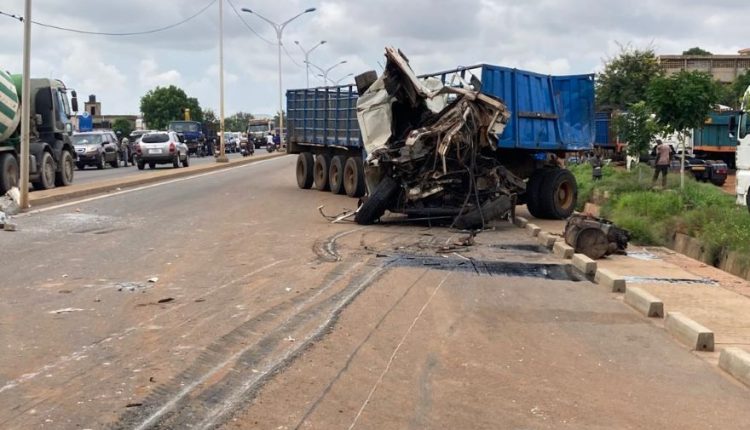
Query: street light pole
336,82
307,58
25,107
324,72
222,158
279,32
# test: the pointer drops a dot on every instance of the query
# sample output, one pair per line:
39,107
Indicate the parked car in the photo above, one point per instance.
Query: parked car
162,147
96,148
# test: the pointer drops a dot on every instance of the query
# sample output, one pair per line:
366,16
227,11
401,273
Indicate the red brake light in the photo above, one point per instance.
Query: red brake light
171,147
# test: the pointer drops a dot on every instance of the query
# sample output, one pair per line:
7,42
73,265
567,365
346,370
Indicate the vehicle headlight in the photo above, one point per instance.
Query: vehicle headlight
92,148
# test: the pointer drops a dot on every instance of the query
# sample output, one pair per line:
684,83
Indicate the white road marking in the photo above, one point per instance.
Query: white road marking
141,188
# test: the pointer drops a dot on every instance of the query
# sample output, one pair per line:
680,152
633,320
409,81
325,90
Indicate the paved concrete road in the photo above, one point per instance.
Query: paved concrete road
266,316
91,174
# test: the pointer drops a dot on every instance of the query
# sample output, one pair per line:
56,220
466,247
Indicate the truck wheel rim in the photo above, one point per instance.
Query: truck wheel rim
49,172
68,169
349,178
564,195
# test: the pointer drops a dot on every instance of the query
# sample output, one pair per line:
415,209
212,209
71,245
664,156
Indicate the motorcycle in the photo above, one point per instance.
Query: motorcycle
248,149
270,147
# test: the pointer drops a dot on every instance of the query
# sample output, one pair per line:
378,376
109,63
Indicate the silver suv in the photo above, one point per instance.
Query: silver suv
162,147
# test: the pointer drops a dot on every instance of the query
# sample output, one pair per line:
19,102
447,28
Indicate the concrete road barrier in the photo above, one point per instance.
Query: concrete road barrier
689,332
533,230
644,302
546,239
612,281
563,250
583,263
736,362
521,222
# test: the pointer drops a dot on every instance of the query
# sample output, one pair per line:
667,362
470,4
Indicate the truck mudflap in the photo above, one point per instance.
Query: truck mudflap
432,150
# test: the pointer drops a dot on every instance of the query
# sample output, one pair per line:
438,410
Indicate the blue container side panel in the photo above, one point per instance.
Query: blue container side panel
603,130
548,113
323,116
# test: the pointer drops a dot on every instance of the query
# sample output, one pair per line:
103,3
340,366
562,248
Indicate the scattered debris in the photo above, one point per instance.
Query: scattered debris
133,405
10,203
153,280
200,300
338,218
131,286
595,237
166,300
65,311
9,226
431,148
290,339
151,379
65,291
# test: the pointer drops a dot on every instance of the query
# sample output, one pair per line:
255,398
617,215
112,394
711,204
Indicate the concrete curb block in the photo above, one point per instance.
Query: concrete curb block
131,181
644,302
533,230
563,250
613,282
521,222
689,332
546,239
583,263
736,362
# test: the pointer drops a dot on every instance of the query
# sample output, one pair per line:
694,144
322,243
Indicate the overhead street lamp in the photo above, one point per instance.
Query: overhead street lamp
336,82
307,57
279,31
324,72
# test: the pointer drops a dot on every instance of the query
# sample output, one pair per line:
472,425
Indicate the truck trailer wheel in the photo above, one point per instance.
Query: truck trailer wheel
336,174
533,187
46,179
376,204
558,194
64,177
320,171
8,172
354,178
305,170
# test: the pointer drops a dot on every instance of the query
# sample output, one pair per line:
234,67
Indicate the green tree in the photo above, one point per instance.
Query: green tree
237,122
637,127
696,51
625,78
122,127
164,104
681,102
738,88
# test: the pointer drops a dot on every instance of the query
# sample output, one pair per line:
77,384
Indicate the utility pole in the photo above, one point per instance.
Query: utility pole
25,107
222,158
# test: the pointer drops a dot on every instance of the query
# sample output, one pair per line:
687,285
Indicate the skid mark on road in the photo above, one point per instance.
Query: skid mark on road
325,249
176,404
76,355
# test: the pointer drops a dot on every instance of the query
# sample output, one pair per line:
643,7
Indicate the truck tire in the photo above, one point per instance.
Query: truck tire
305,163
64,177
320,172
558,194
336,174
46,179
376,204
533,187
8,172
354,177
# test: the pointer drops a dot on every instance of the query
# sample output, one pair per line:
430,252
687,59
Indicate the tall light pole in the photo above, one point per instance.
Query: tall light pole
307,58
25,107
279,31
324,72
222,158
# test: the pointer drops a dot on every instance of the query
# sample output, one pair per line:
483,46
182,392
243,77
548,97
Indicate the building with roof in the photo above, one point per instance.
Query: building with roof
724,68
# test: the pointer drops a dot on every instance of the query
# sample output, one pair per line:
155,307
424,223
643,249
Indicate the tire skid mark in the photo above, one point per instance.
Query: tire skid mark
75,356
173,400
325,249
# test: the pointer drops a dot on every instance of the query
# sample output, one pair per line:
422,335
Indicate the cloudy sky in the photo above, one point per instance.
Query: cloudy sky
546,36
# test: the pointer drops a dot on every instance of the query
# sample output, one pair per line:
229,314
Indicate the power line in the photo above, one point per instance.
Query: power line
102,33
236,12
290,56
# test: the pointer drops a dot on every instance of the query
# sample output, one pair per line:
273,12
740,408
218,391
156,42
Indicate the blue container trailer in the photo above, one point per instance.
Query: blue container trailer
550,116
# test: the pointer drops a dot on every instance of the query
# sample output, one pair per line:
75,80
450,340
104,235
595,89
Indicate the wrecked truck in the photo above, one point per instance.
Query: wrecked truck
461,146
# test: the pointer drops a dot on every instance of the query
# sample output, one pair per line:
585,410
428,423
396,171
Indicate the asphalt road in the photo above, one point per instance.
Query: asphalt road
264,315
91,174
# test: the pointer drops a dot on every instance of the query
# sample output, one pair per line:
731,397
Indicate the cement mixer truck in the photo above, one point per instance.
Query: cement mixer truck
51,154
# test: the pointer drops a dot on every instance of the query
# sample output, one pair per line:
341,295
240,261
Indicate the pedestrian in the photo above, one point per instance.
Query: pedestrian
596,167
125,151
663,159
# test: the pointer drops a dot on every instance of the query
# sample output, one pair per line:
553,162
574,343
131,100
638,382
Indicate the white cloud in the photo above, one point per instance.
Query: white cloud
150,76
